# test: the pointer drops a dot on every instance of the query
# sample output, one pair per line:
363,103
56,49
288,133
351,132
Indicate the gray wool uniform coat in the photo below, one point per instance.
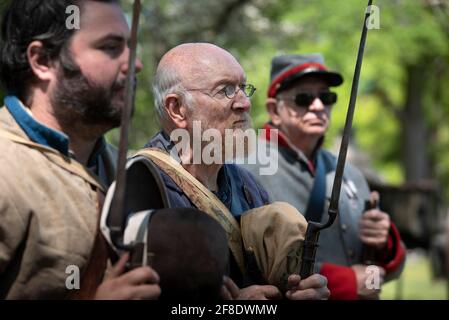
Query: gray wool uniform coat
293,183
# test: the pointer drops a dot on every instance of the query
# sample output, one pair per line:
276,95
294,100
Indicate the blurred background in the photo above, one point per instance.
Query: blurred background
401,126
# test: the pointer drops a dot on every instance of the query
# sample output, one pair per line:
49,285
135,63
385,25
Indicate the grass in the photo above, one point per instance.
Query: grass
417,282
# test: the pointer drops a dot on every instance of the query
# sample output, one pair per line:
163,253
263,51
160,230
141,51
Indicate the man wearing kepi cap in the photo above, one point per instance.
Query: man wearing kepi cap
299,104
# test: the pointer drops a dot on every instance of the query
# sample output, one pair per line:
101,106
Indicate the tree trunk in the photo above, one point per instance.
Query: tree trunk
415,153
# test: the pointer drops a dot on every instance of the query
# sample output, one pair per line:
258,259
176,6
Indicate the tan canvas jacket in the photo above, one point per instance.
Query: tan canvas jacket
48,216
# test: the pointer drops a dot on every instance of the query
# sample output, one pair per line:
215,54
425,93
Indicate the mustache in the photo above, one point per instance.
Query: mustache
247,118
121,84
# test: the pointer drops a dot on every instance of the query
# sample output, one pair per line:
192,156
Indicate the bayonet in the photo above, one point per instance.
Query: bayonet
314,228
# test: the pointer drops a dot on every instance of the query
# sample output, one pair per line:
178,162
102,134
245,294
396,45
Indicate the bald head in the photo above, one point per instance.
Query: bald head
192,65
196,62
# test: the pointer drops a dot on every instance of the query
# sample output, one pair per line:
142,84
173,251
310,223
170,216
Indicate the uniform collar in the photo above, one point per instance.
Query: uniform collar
39,133
36,131
271,129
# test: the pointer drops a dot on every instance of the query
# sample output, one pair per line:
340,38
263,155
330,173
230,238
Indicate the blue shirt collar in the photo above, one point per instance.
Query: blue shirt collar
36,131
224,192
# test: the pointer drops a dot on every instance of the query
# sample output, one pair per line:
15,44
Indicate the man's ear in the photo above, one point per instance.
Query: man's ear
39,62
176,110
272,108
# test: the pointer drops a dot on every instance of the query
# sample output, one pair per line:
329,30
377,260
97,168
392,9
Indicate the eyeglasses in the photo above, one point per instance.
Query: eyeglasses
305,99
229,91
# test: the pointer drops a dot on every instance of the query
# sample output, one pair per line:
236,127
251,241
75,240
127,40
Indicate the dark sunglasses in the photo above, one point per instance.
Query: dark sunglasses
305,99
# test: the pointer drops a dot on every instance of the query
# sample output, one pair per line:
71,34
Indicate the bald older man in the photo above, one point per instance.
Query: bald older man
200,84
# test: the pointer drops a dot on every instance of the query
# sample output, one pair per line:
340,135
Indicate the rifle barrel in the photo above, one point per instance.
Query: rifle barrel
118,202
314,228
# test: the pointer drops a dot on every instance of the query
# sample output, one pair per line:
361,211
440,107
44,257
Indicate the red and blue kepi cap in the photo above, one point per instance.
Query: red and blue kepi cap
286,69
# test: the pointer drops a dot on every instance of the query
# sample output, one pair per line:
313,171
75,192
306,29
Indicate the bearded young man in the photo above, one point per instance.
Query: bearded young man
65,91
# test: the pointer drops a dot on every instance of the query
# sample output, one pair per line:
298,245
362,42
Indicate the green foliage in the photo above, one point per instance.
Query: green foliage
411,33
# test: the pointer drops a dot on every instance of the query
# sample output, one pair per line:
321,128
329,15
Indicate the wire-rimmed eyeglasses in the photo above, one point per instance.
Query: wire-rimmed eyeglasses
229,91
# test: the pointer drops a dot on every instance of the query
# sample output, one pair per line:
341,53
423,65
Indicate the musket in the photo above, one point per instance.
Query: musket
314,228
117,209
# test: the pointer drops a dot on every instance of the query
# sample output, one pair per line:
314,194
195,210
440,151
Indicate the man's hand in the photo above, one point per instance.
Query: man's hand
311,288
362,276
138,284
374,226
230,291
255,292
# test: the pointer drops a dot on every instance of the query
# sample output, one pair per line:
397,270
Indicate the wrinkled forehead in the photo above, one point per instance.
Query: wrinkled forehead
208,70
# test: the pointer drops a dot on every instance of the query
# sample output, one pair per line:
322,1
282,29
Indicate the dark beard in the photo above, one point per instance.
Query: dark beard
79,102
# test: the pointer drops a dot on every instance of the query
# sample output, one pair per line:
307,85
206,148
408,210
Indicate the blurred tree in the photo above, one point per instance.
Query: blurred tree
403,107
241,26
403,79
